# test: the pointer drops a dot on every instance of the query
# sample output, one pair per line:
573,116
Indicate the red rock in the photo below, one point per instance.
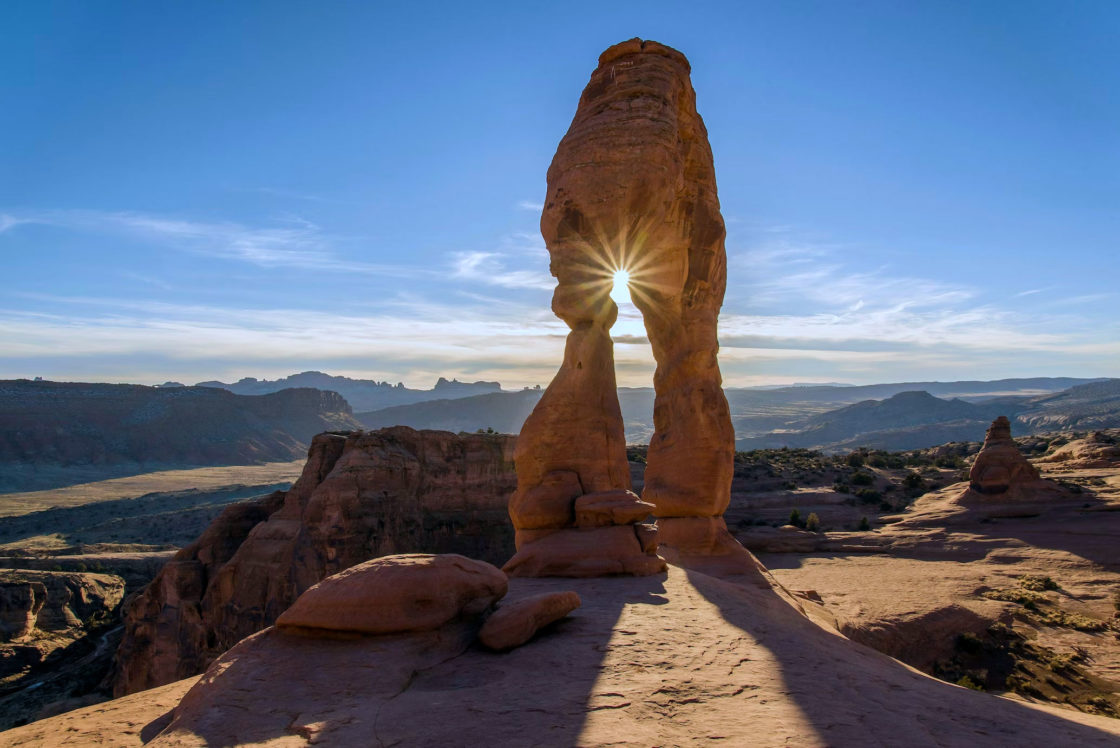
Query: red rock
515,623
606,508
394,594
361,495
632,186
585,552
1000,465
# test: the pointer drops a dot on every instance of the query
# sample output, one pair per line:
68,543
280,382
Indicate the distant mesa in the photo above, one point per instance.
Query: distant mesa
362,394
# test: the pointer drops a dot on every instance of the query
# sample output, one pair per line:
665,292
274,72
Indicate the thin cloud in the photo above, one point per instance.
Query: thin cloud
489,268
530,205
297,244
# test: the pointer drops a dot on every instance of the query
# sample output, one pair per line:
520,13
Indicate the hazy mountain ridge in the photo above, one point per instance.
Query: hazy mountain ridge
46,426
361,394
759,413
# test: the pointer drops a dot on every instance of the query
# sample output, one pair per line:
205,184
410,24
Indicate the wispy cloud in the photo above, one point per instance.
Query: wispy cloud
490,268
292,243
530,205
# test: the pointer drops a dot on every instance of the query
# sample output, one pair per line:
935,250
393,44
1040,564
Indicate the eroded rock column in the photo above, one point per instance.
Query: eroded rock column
632,187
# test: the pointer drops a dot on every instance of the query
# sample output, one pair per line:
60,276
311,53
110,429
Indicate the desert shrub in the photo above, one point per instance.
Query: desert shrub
1037,584
795,518
967,682
969,642
862,479
869,495
949,461
913,480
864,525
855,459
877,461
813,522
841,488
789,485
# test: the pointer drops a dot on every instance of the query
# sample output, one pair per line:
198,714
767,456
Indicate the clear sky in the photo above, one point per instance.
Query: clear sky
189,191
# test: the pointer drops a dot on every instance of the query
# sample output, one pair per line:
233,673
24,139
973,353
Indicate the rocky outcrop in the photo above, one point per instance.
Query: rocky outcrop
1000,467
47,603
1101,449
395,594
632,188
517,622
361,495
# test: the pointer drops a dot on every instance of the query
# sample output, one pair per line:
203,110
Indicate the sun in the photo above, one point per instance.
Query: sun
621,291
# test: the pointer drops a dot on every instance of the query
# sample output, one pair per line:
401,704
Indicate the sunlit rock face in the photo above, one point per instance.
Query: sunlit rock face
632,187
1000,466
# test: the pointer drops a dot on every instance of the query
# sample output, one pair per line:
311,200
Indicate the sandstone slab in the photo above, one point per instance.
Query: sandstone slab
394,594
517,622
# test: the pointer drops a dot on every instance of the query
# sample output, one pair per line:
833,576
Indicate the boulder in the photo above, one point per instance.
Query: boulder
396,594
515,623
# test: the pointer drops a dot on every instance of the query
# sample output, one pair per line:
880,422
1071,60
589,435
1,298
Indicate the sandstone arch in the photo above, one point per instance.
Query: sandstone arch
632,186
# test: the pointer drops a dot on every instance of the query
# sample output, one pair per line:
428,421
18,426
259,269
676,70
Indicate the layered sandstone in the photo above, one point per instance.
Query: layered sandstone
361,495
632,187
1101,449
1000,465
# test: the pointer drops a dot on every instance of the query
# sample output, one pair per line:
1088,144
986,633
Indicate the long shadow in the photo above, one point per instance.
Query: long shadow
371,691
855,696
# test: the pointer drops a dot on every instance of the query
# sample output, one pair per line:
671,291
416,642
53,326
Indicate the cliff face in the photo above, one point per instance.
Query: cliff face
361,495
64,424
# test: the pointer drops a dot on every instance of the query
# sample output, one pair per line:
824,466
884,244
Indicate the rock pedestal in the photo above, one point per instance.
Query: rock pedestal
632,187
1000,466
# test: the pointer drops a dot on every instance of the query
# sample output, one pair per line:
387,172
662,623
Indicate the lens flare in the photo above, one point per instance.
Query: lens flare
621,291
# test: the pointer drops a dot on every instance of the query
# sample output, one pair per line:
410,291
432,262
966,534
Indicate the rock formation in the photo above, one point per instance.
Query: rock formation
1000,466
361,495
632,187
1101,449
515,623
394,594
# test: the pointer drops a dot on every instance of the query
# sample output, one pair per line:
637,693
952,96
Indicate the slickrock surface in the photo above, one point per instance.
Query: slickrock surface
128,722
361,495
1101,449
515,623
676,659
632,186
947,568
395,594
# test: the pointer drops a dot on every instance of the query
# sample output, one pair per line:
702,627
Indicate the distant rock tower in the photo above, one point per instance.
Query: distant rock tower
1000,466
632,188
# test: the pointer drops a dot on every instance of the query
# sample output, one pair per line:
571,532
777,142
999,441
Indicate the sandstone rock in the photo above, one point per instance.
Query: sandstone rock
394,594
20,603
586,552
632,187
1000,465
606,508
361,495
1098,450
515,623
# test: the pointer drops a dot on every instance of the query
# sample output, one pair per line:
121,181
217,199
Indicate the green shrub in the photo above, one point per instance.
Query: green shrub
864,525
967,682
1037,584
795,518
855,459
813,522
869,495
862,479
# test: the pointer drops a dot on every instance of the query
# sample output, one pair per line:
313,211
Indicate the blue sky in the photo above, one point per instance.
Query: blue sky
208,190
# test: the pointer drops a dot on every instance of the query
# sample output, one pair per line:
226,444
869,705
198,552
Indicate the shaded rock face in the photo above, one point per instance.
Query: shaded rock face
361,495
50,603
1000,466
632,187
